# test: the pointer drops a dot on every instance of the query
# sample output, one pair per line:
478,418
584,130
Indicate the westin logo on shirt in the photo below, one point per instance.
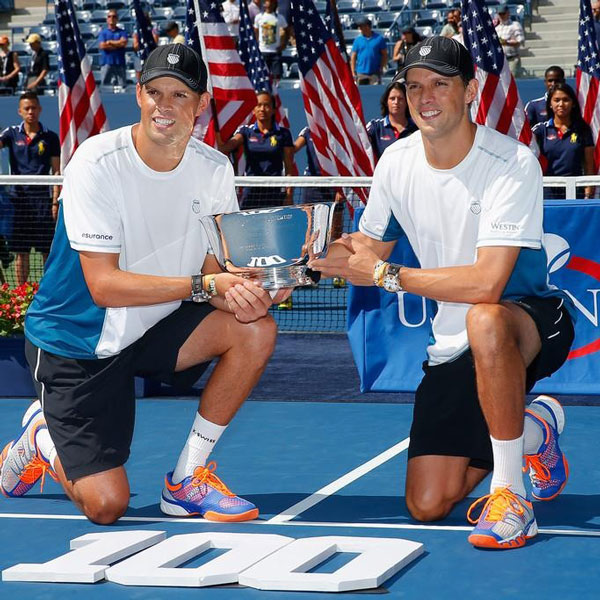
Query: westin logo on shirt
96,236
496,226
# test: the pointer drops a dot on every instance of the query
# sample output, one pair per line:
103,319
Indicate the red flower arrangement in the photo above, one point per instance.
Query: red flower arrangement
14,303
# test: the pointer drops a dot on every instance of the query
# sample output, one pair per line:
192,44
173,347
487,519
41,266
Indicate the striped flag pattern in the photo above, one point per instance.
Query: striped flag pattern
232,91
80,109
587,75
255,65
498,104
331,99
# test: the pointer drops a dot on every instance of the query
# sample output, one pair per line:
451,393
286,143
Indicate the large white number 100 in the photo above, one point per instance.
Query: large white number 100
263,561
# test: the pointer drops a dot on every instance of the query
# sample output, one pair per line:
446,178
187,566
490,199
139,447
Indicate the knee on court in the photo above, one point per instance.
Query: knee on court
105,509
428,506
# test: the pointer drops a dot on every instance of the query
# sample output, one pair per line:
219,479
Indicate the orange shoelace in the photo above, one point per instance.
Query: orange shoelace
540,469
206,475
35,469
498,502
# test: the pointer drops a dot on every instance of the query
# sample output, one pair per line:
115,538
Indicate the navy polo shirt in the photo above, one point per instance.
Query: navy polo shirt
563,151
383,134
264,151
536,110
30,156
312,167
112,57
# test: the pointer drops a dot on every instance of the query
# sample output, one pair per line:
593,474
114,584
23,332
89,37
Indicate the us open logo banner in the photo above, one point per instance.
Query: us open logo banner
389,344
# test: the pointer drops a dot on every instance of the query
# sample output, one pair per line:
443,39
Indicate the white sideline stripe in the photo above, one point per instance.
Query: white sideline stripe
202,522
335,486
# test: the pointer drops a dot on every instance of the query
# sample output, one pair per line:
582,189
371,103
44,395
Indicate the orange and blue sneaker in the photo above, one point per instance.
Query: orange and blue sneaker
548,469
21,462
506,521
204,494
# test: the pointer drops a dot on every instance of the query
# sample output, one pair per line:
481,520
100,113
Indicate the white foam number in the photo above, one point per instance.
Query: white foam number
158,565
262,561
90,557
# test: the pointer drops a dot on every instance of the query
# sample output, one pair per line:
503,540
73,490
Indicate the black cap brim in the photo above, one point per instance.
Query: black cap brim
151,74
432,65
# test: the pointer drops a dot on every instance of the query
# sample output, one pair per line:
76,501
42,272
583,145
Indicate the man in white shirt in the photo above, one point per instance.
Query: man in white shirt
231,16
129,250
270,30
469,200
511,36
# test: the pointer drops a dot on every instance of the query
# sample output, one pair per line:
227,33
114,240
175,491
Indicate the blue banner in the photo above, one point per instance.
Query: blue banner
389,333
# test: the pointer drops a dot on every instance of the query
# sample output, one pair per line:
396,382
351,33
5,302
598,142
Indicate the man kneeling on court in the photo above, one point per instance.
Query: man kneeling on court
128,249
469,200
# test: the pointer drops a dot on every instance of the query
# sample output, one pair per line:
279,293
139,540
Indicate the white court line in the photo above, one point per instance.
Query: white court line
203,523
335,486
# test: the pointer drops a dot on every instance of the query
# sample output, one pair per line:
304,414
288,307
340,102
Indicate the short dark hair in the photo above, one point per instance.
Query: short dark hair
29,95
576,116
555,69
396,85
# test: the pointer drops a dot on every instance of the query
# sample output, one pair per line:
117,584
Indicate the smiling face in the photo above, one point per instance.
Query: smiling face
168,111
438,103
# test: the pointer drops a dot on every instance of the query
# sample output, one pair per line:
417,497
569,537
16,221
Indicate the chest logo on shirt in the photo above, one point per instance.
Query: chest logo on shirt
551,136
196,208
172,59
573,138
41,148
273,141
253,139
475,207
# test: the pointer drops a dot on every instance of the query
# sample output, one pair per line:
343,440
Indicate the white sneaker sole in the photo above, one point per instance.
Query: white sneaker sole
174,510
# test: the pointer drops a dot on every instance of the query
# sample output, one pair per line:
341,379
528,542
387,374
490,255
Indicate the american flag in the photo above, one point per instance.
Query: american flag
80,109
331,98
332,22
143,28
498,104
587,75
255,64
232,91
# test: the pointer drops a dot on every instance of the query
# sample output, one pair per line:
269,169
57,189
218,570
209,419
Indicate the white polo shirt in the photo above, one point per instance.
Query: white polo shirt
113,202
493,197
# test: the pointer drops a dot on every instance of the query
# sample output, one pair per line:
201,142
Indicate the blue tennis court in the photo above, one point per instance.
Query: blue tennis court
321,469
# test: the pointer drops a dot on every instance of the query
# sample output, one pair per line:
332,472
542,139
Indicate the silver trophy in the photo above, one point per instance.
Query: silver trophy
271,245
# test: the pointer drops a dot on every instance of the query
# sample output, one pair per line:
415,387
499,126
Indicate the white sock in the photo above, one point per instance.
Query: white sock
46,445
508,465
201,440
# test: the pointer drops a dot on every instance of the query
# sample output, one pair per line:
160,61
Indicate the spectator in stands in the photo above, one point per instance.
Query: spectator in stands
536,109
231,16
596,14
38,66
9,68
565,140
254,9
395,121
33,150
113,41
451,27
368,59
268,150
511,36
270,29
409,38
172,31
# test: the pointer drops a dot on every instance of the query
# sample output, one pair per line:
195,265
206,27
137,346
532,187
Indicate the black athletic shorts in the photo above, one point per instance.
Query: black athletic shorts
89,405
447,417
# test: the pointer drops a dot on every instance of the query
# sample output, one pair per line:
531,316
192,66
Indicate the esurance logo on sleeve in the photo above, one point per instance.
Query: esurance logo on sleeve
96,236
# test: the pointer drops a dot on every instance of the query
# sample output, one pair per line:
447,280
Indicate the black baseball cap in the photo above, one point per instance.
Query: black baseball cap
440,54
179,61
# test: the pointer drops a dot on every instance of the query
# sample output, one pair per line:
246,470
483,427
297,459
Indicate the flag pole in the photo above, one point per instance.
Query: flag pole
209,87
